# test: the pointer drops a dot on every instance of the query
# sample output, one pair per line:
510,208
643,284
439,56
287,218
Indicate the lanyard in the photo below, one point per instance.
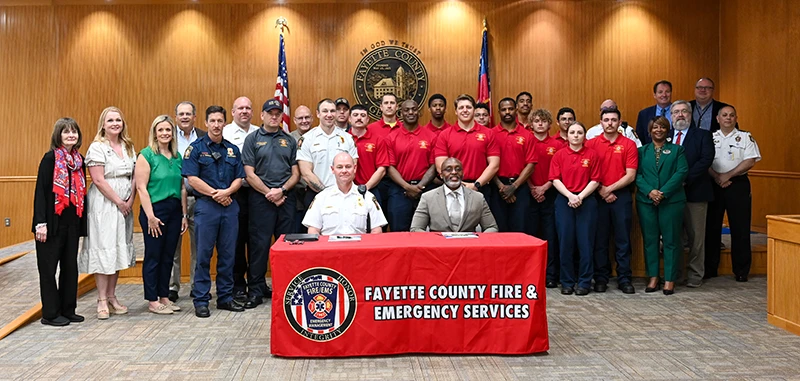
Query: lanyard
700,117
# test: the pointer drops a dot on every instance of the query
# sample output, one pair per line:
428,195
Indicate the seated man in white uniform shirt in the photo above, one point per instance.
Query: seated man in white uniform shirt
341,209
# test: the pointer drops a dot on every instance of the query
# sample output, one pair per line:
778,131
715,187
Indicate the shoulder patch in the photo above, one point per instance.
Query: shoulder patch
633,131
751,138
300,141
375,201
312,202
188,152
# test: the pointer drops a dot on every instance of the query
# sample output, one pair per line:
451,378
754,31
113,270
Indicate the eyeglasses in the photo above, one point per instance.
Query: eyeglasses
704,88
681,111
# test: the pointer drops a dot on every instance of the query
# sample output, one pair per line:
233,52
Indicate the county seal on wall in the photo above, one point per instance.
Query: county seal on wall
389,68
320,304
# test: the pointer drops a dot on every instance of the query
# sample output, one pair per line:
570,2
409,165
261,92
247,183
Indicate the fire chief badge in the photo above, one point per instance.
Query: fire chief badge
320,304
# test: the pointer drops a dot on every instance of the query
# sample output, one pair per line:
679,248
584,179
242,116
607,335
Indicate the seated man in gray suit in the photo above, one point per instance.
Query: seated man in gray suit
453,207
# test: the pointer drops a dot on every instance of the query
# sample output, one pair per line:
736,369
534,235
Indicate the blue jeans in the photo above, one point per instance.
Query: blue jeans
575,227
216,225
617,215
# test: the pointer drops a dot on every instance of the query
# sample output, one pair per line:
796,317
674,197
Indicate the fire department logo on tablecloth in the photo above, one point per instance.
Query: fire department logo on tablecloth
389,66
320,304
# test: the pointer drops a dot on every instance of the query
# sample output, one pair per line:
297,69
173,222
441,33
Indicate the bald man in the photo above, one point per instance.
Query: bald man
342,209
624,129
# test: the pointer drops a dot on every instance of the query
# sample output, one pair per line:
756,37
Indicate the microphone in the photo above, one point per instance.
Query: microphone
362,189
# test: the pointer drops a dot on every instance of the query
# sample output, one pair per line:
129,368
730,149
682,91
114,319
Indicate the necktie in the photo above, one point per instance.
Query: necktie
678,138
455,211
664,112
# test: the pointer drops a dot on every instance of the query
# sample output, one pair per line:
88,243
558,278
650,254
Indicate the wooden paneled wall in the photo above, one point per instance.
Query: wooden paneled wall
61,59
759,73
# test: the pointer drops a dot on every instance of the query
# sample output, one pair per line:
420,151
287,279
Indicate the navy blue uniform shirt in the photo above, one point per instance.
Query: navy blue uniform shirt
217,164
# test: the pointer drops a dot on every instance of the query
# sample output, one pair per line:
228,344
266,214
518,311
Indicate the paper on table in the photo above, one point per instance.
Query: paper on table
344,238
449,235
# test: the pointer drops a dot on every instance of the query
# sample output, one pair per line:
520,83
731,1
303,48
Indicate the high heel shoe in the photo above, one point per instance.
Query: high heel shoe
119,309
669,291
102,313
652,289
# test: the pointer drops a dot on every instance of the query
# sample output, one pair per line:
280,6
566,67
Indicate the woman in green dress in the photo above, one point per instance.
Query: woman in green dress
660,200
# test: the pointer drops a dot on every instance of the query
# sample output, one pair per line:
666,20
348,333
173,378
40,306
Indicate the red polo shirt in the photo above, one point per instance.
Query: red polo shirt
371,155
561,140
435,130
575,168
545,150
516,149
411,152
472,147
381,129
615,157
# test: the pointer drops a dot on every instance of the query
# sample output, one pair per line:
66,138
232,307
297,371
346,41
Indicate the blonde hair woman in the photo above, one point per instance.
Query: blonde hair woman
163,214
108,246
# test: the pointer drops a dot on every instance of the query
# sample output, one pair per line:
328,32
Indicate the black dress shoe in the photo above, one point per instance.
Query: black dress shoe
600,287
669,292
59,321
627,288
253,302
74,318
230,306
580,291
240,297
173,296
567,290
551,284
202,311
268,293
741,278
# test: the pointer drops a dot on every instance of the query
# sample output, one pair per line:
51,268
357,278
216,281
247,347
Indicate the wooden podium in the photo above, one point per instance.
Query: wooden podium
783,267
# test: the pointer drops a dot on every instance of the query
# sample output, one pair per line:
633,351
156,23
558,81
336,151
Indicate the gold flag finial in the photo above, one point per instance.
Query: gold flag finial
281,23
484,23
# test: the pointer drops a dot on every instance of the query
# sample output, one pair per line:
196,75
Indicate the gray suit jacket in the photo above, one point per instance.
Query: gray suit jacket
432,212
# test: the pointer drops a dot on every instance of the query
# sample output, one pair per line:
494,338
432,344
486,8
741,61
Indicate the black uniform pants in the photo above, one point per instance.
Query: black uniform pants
737,200
60,250
266,221
240,262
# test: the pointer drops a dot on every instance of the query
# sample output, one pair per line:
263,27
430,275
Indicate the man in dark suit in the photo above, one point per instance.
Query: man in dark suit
185,117
453,207
699,149
662,93
704,107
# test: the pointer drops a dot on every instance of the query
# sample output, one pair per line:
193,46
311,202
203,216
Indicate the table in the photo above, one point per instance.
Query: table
783,264
407,292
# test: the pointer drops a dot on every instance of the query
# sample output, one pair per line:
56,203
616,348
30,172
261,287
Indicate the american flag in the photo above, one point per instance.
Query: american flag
282,86
484,85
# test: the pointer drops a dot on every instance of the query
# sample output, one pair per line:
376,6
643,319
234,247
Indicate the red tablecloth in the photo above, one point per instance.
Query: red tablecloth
409,293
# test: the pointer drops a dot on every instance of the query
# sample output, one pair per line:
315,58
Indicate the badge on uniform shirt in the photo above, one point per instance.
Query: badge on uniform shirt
230,152
618,148
375,201
520,140
188,152
300,142
551,151
423,144
738,139
369,147
260,144
480,137
669,140
283,143
585,163
360,201
342,138
716,141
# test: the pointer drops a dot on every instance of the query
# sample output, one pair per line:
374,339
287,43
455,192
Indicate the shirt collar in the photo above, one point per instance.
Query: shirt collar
458,190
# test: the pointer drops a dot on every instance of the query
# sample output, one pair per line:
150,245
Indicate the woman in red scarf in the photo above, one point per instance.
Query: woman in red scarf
59,221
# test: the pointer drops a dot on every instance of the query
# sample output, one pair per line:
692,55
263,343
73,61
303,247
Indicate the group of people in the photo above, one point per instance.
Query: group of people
236,187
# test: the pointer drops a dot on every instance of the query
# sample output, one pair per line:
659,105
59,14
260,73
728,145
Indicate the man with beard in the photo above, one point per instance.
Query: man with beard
453,207
698,146
524,106
411,169
185,116
345,209
236,132
437,105
662,93
342,114
512,199
482,114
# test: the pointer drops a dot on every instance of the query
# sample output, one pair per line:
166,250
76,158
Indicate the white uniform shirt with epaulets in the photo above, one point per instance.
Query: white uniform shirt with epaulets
731,150
334,212
236,135
319,148
628,132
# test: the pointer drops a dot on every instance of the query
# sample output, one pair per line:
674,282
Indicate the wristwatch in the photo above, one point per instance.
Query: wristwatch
283,189
477,185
